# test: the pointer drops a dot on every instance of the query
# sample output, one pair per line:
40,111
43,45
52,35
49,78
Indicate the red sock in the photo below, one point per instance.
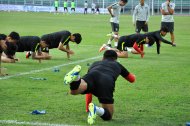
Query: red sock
88,100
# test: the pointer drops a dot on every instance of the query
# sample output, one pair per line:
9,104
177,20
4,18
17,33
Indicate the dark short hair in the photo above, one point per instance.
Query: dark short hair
3,36
11,49
78,37
14,35
151,40
125,1
110,54
164,29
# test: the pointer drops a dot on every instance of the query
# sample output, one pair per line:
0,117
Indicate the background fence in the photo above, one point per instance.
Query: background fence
182,6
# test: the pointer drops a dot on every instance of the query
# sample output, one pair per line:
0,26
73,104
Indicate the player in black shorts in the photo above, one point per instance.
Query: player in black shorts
61,39
157,35
34,46
8,55
141,25
125,42
100,81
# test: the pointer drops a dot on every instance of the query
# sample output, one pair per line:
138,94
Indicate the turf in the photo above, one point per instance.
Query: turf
159,97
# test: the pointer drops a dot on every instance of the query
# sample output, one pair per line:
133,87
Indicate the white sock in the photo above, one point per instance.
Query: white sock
107,47
129,49
99,111
109,41
115,43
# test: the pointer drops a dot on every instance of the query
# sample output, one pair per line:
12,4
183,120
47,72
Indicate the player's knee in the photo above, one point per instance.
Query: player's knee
107,115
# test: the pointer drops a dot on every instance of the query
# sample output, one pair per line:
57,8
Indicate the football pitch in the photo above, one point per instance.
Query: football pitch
159,97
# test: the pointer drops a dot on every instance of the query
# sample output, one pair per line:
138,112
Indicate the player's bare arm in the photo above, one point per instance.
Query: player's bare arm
109,10
62,48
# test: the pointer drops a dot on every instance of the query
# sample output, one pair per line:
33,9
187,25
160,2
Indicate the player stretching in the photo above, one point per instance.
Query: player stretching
114,11
157,35
100,81
61,39
125,42
34,46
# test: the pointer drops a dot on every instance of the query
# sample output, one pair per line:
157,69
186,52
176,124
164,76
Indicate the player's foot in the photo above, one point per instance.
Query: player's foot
103,47
28,55
91,114
72,75
110,34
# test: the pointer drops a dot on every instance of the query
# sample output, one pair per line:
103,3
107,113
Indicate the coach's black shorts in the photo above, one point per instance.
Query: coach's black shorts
169,25
140,25
101,85
115,27
123,43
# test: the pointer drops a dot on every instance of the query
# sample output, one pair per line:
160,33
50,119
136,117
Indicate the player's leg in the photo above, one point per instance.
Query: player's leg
145,27
77,85
138,27
122,54
171,30
88,100
105,112
111,37
116,33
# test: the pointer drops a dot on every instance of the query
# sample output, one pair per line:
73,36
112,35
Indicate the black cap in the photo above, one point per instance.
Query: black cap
78,37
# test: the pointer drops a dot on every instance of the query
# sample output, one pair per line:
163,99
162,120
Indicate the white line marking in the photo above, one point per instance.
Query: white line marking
45,69
31,123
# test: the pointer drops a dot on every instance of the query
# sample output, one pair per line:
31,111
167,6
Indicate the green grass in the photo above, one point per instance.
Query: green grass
160,96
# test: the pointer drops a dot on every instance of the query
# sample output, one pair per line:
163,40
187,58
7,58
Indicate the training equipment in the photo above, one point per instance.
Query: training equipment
72,75
103,47
91,114
36,112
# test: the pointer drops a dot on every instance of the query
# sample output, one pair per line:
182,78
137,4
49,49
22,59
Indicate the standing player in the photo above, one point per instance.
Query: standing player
167,11
61,39
114,11
34,46
93,6
125,42
73,6
141,17
97,9
85,7
100,81
56,5
157,35
65,6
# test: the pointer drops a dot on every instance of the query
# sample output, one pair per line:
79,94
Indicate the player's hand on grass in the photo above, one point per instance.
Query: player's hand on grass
70,52
142,55
173,44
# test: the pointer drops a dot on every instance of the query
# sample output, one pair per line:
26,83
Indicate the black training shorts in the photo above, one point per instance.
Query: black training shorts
169,25
115,27
140,25
101,85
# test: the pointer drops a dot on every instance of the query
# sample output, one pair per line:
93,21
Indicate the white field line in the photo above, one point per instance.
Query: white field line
49,68
15,122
